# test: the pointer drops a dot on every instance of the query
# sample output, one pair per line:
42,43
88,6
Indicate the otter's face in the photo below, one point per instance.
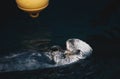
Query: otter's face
80,46
72,44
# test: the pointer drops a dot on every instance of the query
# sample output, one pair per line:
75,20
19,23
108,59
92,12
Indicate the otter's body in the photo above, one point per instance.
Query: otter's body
30,60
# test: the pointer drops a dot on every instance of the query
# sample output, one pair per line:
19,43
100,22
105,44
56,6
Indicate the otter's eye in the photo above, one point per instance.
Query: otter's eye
71,41
77,51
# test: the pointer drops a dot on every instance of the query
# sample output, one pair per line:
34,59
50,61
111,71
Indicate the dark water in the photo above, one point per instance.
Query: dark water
56,25
103,64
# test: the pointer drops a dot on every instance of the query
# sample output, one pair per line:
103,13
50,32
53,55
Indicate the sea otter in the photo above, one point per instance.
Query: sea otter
76,50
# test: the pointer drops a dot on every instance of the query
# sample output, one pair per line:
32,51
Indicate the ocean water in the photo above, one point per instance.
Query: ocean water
55,25
103,64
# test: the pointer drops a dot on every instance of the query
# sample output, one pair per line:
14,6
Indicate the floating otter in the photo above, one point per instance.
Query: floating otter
29,60
75,50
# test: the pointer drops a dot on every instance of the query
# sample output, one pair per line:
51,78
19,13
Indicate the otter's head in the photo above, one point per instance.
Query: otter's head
79,46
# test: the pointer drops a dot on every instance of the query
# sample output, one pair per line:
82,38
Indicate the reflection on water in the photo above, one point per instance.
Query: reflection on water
28,60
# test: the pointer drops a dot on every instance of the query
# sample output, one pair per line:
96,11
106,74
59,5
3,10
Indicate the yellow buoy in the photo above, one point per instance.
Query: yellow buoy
33,7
